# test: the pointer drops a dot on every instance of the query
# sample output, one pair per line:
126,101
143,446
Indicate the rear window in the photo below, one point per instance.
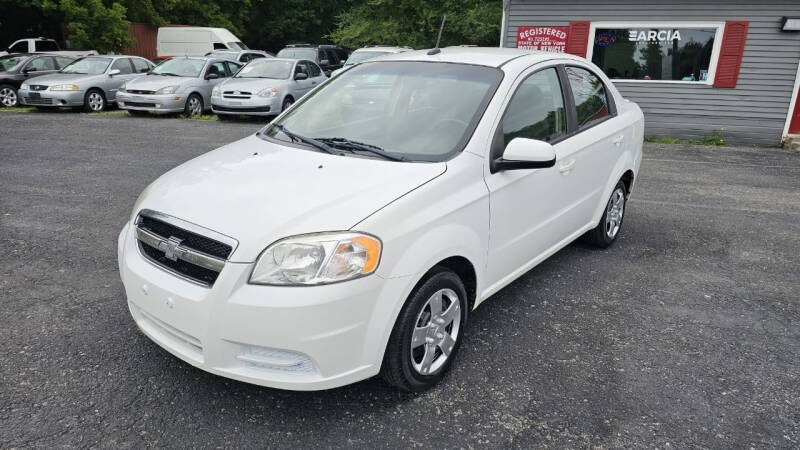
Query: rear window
46,46
298,53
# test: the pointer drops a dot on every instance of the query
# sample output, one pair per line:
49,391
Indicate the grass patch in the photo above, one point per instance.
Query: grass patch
113,112
200,117
714,139
19,109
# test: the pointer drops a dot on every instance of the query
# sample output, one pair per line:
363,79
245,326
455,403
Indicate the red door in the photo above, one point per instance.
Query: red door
794,123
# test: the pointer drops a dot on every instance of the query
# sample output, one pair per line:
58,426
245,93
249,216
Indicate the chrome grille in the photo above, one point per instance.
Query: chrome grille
237,94
187,250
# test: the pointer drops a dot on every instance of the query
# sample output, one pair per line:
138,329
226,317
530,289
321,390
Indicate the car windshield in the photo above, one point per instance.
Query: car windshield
87,66
180,67
421,111
237,46
358,57
266,68
298,53
9,62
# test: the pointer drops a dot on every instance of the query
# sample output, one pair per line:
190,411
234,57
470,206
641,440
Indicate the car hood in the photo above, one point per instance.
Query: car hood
250,84
257,191
156,82
61,78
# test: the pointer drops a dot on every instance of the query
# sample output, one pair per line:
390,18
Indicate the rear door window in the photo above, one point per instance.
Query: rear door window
46,46
140,65
19,47
590,94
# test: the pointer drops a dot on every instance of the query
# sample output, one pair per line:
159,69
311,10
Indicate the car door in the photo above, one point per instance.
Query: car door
595,145
41,65
302,86
112,82
315,74
525,204
216,67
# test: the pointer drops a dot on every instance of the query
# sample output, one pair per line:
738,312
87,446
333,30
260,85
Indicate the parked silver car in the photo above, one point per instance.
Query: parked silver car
266,87
362,54
91,82
177,85
243,56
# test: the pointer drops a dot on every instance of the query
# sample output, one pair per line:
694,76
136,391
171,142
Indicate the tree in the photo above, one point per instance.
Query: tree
91,24
415,23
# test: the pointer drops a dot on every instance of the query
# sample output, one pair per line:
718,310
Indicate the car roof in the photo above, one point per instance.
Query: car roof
484,56
383,48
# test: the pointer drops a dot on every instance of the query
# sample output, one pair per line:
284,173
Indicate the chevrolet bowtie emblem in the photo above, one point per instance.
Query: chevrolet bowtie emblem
170,247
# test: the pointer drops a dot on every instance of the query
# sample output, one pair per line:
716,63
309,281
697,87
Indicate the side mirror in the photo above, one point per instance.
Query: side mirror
301,76
113,72
324,62
212,76
523,153
29,69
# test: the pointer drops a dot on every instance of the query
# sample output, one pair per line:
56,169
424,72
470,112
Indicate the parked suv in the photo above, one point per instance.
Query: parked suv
16,68
328,57
366,53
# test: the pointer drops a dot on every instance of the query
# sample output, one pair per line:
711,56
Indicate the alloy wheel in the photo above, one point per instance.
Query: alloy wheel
435,332
194,106
8,97
95,101
614,213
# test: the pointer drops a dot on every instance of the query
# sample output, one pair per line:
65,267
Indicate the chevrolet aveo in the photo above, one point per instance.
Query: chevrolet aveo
354,234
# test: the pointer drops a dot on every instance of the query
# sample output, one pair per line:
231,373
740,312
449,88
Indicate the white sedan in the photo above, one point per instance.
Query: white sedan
354,234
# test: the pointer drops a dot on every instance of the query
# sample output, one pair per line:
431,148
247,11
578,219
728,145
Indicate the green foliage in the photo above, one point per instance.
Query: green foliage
415,23
715,139
92,24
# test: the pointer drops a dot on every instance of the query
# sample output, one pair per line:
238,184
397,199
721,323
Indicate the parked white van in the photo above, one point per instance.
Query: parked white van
195,41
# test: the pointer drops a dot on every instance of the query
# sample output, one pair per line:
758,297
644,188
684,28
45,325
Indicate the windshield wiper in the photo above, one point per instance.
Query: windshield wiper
313,142
168,74
347,144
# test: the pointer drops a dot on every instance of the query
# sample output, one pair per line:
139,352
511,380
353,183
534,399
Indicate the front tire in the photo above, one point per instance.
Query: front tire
427,333
194,106
8,96
94,101
287,102
606,232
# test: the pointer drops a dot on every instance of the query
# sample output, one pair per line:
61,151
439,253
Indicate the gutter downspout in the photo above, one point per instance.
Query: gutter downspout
504,23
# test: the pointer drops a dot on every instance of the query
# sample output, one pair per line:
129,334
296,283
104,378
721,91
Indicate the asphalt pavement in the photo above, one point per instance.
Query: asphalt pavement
684,333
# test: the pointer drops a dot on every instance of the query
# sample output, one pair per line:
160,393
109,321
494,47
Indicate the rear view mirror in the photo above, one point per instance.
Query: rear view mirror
301,76
523,153
113,72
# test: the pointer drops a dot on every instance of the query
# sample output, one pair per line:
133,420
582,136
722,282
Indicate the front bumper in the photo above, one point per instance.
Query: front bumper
298,338
170,103
253,106
50,98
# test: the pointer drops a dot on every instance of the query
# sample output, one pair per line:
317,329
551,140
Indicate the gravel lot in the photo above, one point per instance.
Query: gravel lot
685,333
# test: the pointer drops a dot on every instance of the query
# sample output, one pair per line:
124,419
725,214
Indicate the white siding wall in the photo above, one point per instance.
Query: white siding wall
752,113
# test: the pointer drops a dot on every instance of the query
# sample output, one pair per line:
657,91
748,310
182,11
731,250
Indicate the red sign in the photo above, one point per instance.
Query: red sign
548,39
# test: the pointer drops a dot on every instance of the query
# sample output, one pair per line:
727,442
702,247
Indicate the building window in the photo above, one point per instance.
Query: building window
657,52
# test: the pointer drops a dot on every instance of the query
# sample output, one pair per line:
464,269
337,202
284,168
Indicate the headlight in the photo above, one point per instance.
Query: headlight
64,87
167,90
318,258
23,86
269,92
215,91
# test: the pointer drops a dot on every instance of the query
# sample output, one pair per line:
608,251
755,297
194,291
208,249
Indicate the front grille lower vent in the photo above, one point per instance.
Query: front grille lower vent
182,247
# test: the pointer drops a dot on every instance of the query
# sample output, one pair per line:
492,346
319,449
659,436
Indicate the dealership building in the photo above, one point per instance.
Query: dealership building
696,68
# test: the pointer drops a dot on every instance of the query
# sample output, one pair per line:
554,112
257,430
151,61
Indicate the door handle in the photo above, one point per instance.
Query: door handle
565,168
618,140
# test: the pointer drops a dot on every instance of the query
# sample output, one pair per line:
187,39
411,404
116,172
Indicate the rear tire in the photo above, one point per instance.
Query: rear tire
427,333
607,231
8,96
94,101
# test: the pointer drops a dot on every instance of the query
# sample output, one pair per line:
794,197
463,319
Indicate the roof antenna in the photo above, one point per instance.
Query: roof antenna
436,49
